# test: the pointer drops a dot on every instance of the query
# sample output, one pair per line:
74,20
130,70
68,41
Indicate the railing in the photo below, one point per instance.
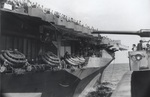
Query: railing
53,17
37,12
58,20
49,17
70,25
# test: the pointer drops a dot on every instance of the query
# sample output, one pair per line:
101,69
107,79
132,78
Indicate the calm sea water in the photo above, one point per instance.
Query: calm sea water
114,72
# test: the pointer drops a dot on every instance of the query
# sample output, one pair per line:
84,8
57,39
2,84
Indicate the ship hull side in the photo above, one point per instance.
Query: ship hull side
46,83
50,83
88,82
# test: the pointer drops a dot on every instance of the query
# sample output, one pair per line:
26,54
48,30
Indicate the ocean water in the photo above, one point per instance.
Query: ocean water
114,72
111,75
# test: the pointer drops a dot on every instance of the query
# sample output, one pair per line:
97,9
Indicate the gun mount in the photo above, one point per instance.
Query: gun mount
141,33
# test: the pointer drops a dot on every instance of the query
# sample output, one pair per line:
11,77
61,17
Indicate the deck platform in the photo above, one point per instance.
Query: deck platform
124,87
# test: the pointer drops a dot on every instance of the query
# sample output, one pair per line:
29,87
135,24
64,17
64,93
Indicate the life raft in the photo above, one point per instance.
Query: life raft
75,61
13,58
51,59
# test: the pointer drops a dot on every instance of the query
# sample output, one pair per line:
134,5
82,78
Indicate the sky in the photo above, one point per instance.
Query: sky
112,15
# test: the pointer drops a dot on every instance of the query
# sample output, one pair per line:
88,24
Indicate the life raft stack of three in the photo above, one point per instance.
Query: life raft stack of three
51,59
75,61
12,59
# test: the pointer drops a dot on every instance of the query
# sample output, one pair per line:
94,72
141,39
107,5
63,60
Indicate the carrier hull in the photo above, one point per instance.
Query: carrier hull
62,83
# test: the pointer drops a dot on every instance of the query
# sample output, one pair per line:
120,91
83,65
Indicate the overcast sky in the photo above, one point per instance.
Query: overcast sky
126,15
105,14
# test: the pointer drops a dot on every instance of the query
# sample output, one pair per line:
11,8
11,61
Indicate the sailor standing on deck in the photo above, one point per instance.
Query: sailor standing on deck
140,46
134,48
148,47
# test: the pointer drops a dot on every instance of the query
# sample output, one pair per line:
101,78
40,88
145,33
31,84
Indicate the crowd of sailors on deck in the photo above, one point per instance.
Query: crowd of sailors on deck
141,46
16,4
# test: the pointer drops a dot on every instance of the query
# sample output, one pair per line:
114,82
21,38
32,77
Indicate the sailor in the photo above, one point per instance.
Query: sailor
63,63
140,45
66,55
134,47
148,47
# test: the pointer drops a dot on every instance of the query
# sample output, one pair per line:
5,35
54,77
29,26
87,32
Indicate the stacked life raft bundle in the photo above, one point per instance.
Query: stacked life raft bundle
49,62
51,59
13,61
75,60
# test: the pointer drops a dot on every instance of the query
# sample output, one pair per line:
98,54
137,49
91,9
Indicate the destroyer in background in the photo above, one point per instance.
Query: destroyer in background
44,54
